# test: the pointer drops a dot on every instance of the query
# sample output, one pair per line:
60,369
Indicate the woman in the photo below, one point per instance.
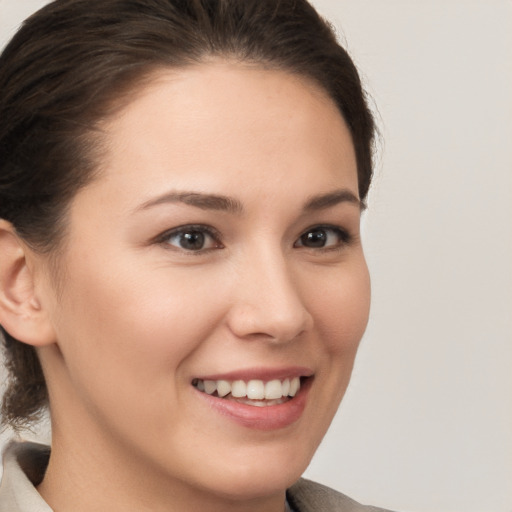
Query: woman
182,277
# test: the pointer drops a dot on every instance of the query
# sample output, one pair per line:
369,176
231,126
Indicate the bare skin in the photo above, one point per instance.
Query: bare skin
270,277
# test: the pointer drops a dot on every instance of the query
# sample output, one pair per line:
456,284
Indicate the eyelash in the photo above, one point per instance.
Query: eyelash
344,238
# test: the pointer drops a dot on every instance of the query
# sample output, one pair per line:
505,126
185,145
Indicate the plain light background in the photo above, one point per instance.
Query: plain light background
427,422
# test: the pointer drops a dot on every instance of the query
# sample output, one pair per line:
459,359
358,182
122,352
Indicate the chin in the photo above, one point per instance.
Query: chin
265,472
253,483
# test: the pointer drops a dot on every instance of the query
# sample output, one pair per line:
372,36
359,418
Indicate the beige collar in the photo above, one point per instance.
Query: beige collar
24,466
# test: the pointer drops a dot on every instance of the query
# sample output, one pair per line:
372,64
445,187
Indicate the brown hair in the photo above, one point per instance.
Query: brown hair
73,60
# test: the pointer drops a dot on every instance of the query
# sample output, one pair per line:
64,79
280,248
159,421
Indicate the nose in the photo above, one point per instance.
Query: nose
267,302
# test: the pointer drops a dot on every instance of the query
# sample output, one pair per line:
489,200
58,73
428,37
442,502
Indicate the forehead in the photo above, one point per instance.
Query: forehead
225,119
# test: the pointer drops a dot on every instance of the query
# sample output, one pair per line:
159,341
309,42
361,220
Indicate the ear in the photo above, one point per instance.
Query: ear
21,313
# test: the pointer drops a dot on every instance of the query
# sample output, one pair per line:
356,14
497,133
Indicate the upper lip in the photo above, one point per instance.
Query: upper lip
265,374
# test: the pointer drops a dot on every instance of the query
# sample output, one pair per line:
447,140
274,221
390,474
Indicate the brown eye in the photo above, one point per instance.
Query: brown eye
192,238
323,237
314,238
192,241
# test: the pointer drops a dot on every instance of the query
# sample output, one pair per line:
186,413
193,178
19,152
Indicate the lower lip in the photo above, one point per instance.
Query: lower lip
270,417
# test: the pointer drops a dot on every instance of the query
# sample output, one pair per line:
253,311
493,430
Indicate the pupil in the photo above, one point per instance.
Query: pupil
315,238
192,240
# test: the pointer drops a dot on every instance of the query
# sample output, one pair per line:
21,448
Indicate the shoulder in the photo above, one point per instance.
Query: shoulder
308,496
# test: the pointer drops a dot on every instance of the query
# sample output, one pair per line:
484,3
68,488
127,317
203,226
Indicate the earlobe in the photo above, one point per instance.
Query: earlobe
21,313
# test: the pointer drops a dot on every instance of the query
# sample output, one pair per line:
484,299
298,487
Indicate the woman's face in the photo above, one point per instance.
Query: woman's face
220,242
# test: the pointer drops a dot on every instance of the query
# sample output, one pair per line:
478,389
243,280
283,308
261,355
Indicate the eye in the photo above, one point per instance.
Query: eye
193,238
323,237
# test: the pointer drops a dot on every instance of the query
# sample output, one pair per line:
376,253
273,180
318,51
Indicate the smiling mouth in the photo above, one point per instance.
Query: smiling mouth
255,392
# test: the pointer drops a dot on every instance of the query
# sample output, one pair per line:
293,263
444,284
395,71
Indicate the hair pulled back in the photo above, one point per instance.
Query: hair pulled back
74,61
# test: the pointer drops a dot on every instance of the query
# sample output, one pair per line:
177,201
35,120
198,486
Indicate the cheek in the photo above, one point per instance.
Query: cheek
132,326
342,310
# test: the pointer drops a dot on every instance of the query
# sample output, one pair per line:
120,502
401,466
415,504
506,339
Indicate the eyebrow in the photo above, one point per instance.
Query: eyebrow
232,205
199,200
324,201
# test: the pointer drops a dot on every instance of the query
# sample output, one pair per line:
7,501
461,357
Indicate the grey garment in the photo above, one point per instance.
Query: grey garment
308,496
25,464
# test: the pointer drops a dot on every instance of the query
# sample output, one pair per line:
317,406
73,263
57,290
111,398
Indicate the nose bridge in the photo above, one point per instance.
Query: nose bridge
268,301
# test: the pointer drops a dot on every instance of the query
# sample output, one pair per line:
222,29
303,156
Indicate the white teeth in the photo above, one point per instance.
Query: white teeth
210,386
223,387
239,389
258,404
273,390
286,387
255,389
294,386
